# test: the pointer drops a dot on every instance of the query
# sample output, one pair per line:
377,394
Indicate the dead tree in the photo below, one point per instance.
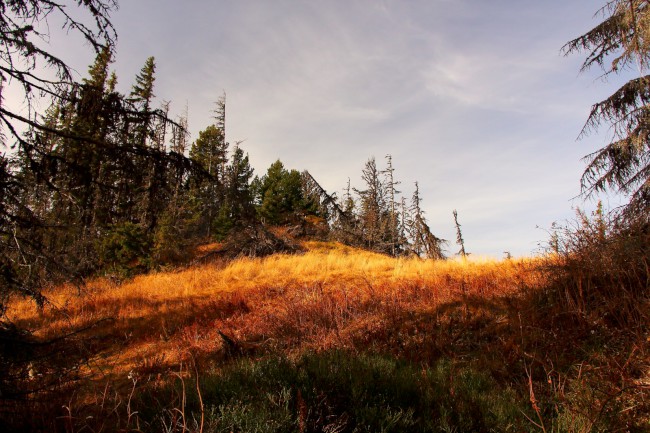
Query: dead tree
459,236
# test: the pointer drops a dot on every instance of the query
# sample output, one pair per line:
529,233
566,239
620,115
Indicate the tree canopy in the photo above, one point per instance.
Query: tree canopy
621,42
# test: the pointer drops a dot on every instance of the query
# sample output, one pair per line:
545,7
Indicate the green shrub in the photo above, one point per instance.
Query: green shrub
125,248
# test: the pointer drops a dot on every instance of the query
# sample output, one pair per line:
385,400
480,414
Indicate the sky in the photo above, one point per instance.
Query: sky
472,98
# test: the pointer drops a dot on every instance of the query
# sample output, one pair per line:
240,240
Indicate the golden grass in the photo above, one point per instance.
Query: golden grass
331,296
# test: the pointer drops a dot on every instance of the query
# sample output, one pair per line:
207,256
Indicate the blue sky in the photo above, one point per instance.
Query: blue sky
471,98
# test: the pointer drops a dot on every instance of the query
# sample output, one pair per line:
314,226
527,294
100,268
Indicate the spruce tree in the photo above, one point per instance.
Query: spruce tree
374,211
238,209
424,243
35,70
392,222
210,152
619,44
142,91
280,193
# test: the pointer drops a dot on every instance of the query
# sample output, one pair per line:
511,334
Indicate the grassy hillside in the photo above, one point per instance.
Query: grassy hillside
335,339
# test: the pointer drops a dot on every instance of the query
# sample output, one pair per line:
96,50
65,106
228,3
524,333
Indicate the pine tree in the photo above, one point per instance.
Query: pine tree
280,195
238,209
392,222
372,208
209,151
424,243
620,43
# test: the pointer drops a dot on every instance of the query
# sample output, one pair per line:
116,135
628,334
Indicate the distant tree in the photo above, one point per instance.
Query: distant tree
141,97
238,209
345,225
423,242
280,195
372,208
316,200
459,236
180,133
348,201
392,222
619,43
210,151
160,128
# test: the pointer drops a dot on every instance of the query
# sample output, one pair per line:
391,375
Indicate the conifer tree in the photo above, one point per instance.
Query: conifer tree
180,134
238,209
27,61
281,199
160,128
348,200
348,227
209,151
142,91
621,42
424,243
459,236
392,220
372,207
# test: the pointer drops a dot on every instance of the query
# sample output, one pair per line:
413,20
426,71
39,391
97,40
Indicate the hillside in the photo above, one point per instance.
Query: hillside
334,339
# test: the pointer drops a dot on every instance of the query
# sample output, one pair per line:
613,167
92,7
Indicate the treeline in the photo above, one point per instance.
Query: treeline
377,217
110,184
103,183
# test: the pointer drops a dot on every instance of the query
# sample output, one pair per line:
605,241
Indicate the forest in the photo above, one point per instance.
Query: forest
110,184
149,282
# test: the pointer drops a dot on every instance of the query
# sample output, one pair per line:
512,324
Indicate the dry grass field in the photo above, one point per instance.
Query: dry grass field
472,343
333,296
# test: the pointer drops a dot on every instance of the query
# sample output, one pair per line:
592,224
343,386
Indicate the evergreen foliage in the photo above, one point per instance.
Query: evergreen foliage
424,243
125,248
620,43
238,209
373,209
280,195
379,222
210,151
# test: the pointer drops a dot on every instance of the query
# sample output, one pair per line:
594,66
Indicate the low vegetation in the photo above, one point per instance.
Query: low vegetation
341,339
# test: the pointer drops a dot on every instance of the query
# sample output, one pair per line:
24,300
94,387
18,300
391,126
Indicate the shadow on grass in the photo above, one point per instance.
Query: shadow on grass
334,391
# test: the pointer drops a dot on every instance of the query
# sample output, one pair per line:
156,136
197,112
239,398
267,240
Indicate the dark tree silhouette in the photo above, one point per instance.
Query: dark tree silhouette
459,236
27,63
621,42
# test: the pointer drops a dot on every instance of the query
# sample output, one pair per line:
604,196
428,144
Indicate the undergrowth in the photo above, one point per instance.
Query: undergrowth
341,340
334,391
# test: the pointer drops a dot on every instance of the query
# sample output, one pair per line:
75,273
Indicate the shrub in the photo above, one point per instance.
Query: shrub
348,392
600,271
125,248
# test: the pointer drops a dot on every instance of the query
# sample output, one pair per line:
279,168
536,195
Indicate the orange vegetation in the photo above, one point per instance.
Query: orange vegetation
331,296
